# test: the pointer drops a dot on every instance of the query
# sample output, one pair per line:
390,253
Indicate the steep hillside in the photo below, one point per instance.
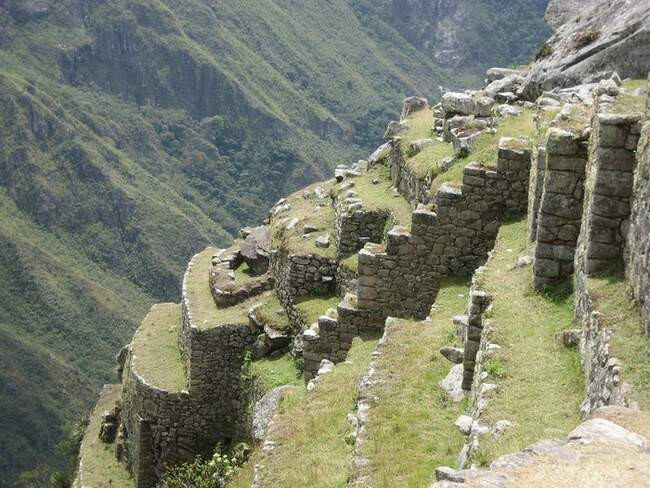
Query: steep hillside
467,35
135,132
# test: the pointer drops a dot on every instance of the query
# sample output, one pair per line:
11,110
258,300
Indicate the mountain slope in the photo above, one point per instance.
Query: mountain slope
135,132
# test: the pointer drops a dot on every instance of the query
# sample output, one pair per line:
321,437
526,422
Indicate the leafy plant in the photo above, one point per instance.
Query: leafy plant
213,473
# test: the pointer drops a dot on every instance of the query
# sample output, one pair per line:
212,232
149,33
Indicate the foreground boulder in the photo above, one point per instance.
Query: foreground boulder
255,250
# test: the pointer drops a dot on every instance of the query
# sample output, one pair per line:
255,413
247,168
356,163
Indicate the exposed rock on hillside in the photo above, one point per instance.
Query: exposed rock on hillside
604,37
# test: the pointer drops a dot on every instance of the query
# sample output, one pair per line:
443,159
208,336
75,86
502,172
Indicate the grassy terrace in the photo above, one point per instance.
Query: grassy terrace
276,371
307,213
99,468
380,196
626,102
272,313
411,429
311,428
628,343
312,307
243,273
540,382
426,161
352,262
155,348
203,310
485,150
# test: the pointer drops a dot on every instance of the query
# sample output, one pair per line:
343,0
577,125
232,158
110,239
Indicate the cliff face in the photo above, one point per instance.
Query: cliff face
468,35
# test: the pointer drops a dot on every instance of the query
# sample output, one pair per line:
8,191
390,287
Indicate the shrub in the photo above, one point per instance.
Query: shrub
214,473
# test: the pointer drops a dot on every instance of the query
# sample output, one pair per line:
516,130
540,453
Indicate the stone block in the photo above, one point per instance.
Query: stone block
546,268
614,183
615,159
561,142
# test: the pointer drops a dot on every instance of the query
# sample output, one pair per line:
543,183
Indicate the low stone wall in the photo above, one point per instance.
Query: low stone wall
415,189
560,208
332,339
227,292
601,369
356,225
638,244
299,276
401,280
347,280
479,301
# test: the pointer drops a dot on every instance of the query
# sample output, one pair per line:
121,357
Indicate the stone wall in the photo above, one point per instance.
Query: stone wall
479,301
638,245
601,369
157,427
347,279
220,394
332,338
296,276
536,188
415,189
356,225
608,189
560,208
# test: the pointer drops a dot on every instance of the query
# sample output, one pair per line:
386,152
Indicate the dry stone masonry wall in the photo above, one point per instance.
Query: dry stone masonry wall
357,225
638,246
560,208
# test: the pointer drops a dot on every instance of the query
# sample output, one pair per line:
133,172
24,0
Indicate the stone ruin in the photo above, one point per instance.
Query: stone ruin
584,189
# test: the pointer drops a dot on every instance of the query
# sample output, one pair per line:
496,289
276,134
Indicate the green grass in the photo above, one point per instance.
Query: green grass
351,262
272,313
628,103
411,429
611,296
155,348
381,196
99,467
427,161
276,371
312,307
310,429
307,213
540,383
243,272
486,148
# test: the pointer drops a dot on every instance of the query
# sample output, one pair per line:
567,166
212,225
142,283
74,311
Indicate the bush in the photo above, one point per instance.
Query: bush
214,473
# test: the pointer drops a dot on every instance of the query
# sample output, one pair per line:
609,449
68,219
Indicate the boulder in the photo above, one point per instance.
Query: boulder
494,74
416,146
413,104
453,354
255,249
323,241
454,103
510,83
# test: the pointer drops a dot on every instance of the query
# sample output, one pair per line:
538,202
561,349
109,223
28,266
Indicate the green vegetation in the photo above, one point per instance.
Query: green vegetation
317,212
626,101
380,196
486,148
212,473
621,315
243,272
540,383
351,262
272,372
427,161
203,309
412,426
312,427
312,307
101,468
157,357
272,313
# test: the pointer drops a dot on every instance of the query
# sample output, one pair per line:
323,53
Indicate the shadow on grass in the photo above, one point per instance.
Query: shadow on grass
558,293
